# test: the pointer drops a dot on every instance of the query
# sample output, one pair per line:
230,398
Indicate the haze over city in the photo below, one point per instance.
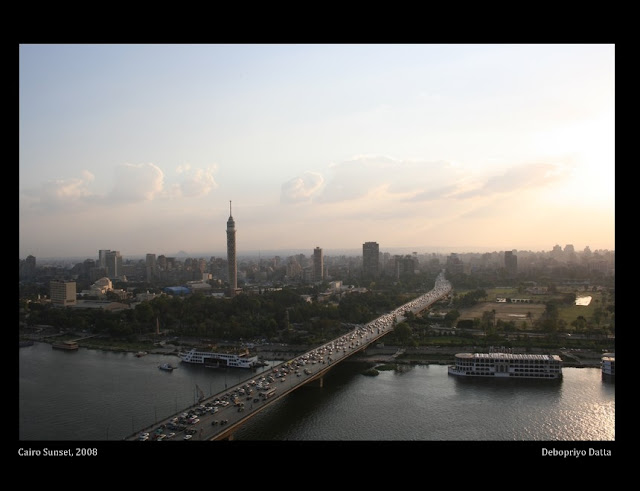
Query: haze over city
140,148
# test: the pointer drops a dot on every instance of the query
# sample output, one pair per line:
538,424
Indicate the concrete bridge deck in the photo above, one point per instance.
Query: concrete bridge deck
304,369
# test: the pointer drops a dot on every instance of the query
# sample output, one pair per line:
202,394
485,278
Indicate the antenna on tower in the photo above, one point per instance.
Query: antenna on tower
230,208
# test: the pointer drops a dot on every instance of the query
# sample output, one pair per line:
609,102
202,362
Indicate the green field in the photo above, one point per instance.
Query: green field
530,312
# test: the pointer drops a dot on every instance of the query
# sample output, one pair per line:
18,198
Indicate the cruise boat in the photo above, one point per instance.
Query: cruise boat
507,365
219,360
608,365
66,345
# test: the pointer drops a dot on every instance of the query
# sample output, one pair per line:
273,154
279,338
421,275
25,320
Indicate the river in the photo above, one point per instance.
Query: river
94,395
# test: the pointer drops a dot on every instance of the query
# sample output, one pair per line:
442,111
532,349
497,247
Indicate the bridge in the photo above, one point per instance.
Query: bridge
219,416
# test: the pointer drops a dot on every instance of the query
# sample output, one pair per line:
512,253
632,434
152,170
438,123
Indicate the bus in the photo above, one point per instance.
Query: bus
268,393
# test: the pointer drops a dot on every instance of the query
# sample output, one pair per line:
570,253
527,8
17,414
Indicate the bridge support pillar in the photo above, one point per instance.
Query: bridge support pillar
317,382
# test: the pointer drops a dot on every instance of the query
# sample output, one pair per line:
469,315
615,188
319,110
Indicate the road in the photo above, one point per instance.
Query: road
218,416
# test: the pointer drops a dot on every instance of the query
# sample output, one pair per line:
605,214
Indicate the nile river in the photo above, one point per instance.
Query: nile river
93,395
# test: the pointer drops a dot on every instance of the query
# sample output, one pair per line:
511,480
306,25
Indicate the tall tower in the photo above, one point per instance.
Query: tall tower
231,254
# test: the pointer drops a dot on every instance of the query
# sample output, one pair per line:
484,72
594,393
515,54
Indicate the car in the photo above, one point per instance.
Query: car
161,437
188,437
170,435
214,422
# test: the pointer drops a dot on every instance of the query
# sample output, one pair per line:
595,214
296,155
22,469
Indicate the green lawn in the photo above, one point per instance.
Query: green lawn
568,313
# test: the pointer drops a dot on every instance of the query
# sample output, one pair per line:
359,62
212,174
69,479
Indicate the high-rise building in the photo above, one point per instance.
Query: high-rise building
318,265
28,268
454,264
151,267
231,254
511,263
370,259
102,257
62,292
114,264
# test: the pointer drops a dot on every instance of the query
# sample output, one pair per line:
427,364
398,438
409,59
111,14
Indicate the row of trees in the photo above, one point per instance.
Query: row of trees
273,314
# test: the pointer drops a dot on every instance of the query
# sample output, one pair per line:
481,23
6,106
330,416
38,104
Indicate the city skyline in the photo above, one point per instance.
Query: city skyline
443,147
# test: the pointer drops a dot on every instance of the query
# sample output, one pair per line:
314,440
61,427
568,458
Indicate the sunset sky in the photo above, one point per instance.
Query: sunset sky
140,148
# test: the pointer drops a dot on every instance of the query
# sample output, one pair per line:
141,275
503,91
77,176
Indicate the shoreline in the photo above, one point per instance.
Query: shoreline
435,355
428,355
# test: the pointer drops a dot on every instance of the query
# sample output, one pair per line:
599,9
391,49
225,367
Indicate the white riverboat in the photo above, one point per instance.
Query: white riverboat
507,365
608,365
218,359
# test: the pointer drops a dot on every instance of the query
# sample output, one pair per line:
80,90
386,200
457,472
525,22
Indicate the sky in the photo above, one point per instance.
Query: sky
464,147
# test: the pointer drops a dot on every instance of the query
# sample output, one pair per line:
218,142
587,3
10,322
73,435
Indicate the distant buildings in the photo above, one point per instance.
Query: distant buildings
220,276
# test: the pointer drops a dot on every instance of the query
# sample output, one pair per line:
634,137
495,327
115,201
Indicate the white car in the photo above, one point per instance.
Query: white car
188,437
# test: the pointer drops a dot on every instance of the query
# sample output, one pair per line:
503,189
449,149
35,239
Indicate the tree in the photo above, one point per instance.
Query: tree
403,333
451,317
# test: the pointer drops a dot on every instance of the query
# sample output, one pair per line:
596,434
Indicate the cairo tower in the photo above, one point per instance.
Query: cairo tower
231,254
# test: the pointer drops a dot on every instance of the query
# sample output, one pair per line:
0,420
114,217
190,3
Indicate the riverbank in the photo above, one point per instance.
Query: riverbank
435,355
429,355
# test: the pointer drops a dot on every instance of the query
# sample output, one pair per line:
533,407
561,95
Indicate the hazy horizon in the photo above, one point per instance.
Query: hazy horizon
267,253
476,147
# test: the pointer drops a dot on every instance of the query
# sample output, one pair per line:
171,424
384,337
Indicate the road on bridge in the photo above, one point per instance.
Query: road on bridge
217,417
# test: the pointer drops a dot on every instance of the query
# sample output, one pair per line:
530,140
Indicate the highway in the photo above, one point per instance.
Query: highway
219,416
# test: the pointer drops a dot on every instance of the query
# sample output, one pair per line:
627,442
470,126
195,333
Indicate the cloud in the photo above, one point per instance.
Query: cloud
198,182
434,194
137,182
133,183
58,194
301,189
363,176
520,178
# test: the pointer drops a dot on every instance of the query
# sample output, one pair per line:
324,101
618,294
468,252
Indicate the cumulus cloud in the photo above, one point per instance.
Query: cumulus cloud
137,182
301,189
58,194
197,182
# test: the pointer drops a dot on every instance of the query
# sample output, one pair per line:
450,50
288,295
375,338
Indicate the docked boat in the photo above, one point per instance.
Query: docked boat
608,365
219,360
140,354
66,345
167,367
507,365
24,343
